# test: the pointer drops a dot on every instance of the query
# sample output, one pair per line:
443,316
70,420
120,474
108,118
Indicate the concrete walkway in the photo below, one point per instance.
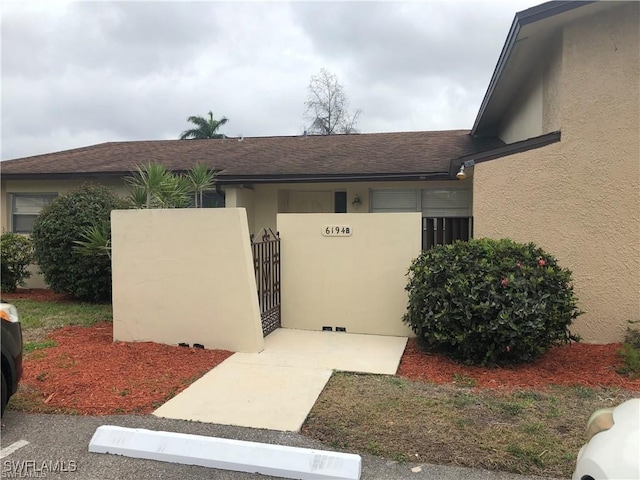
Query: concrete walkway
276,389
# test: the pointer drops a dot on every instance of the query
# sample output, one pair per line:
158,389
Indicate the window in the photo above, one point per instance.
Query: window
446,211
340,202
446,202
213,199
432,202
25,207
383,201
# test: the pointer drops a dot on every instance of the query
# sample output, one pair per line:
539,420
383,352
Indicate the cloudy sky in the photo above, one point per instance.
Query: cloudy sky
81,73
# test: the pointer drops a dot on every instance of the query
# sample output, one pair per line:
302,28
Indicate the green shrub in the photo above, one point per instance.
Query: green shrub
16,254
489,302
59,226
630,353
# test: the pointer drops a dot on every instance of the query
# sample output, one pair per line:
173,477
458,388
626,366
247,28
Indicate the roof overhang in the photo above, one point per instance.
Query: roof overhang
223,179
504,151
351,177
529,36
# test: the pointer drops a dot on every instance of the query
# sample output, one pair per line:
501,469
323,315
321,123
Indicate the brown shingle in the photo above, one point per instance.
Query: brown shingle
375,153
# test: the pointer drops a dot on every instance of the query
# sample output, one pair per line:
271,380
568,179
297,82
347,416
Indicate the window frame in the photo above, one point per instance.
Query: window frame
340,201
420,194
12,212
212,192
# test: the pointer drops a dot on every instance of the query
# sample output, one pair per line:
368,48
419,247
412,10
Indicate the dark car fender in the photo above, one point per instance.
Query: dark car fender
11,358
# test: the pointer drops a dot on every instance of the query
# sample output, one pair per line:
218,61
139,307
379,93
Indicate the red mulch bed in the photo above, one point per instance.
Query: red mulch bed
574,364
90,374
37,294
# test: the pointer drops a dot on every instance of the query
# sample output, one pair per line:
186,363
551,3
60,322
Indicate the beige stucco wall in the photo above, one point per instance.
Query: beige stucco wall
185,275
269,200
8,187
524,119
48,186
262,202
551,85
240,196
535,109
580,198
302,201
266,203
355,281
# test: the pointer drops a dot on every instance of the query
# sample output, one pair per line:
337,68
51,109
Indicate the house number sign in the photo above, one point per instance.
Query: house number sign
336,231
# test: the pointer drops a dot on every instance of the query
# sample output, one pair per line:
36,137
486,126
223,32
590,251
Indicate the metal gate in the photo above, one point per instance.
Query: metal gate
445,230
266,263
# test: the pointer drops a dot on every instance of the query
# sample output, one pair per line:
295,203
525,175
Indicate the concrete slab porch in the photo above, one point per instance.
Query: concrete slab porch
276,389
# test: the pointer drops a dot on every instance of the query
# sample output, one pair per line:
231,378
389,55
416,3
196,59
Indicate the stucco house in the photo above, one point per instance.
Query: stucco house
270,175
553,157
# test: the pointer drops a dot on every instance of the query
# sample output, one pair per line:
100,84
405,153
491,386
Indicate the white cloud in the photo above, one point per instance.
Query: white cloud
82,72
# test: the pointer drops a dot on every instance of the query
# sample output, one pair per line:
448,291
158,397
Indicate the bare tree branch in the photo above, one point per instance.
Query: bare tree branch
328,106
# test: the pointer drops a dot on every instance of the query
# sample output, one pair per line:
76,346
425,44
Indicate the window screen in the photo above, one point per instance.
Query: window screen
446,202
433,202
213,199
25,207
394,201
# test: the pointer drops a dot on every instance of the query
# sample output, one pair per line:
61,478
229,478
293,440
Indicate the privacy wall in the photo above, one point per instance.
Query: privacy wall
185,276
347,270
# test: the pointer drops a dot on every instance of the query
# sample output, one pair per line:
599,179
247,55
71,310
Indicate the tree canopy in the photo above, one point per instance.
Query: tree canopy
204,127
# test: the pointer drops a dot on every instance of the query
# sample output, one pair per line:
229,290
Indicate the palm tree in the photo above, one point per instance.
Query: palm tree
96,240
154,186
151,186
200,178
206,128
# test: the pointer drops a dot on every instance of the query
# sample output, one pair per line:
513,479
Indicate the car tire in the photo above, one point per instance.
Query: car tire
5,394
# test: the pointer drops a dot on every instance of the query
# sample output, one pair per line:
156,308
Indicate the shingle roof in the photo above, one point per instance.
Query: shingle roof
365,154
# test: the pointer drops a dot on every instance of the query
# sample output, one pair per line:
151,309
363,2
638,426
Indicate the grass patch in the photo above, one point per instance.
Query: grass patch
526,432
510,408
29,399
584,392
630,352
533,428
463,380
29,347
40,318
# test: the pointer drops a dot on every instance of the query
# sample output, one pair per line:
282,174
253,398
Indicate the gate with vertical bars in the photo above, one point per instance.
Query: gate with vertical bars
445,230
266,263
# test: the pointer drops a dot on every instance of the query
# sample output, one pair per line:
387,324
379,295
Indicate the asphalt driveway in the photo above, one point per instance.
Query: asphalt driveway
65,439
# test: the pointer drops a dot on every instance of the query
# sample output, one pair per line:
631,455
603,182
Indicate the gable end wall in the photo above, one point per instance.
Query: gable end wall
580,198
